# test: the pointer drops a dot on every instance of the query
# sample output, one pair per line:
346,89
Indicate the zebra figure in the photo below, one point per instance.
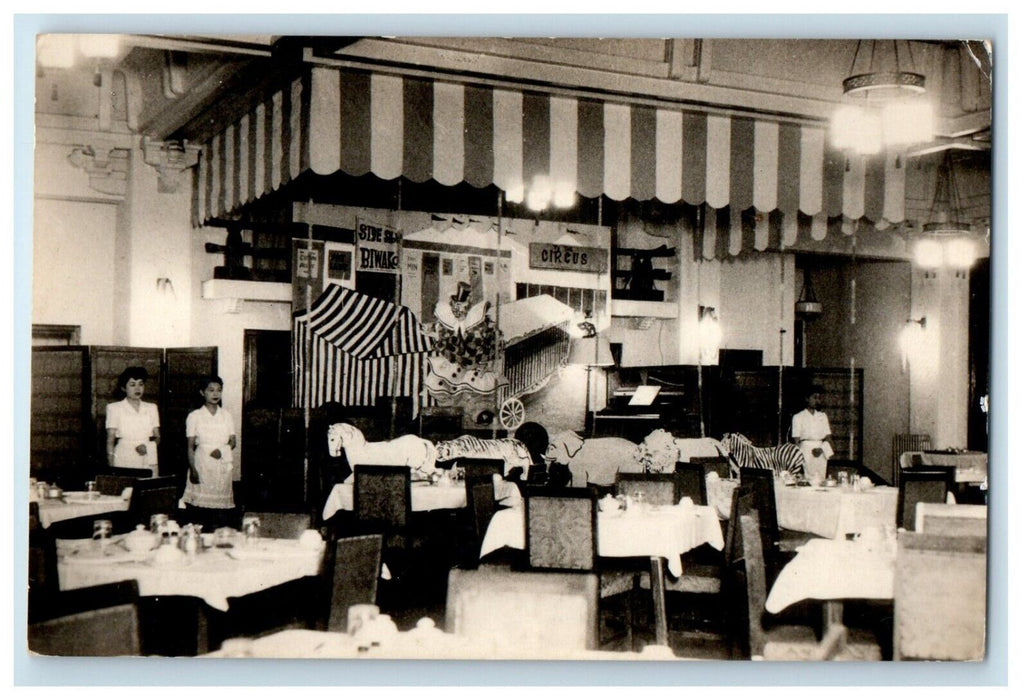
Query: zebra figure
780,459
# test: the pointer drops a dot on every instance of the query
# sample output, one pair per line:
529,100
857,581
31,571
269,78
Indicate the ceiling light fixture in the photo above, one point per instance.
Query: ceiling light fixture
882,69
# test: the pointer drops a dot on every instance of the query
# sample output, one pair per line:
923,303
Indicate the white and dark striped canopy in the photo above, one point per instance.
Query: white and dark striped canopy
364,326
331,120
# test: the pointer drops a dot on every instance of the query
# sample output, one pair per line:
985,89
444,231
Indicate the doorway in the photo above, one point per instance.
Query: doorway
265,355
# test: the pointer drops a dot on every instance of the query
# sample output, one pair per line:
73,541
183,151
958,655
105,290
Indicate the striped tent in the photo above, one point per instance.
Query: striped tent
331,120
361,348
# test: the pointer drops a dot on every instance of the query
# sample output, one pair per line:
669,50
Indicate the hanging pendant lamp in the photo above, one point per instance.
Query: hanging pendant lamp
882,69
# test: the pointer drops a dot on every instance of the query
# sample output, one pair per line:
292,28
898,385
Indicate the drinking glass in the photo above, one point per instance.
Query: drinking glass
102,533
91,491
251,529
158,523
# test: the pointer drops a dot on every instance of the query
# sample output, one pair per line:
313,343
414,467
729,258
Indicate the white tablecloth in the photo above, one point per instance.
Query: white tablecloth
651,531
826,512
424,497
74,505
835,570
214,575
424,642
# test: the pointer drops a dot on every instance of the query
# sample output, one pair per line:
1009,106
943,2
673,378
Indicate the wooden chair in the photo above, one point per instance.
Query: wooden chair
95,621
159,494
355,577
480,470
382,502
440,422
284,526
692,477
779,543
81,528
561,535
132,473
114,484
921,486
481,506
789,642
532,612
939,594
907,442
719,465
657,489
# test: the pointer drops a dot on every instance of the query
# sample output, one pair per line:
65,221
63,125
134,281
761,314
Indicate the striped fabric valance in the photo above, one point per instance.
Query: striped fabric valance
331,120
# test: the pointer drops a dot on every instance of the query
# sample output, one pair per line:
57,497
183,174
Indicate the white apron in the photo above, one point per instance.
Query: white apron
135,428
215,487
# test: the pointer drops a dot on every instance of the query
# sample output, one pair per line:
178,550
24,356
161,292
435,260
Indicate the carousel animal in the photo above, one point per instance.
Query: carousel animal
594,461
407,450
779,458
512,451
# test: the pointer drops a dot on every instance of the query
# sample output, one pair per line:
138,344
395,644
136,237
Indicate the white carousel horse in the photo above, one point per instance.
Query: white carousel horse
407,450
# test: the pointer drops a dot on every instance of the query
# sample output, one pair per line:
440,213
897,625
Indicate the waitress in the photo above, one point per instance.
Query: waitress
133,425
810,431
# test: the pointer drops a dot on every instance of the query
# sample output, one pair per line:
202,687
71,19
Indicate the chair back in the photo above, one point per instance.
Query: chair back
921,486
561,529
440,422
283,526
355,577
114,484
382,501
95,621
907,442
761,484
480,470
939,597
692,480
733,549
132,473
719,465
657,489
526,612
159,494
754,567
951,520
81,528
481,506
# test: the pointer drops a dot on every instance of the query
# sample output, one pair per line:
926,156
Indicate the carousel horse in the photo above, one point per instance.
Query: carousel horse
407,450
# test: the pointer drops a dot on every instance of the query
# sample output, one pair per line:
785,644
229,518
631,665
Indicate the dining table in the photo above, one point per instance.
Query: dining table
445,494
827,511
75,504
214,574
970,466
836,570
424,641
660,532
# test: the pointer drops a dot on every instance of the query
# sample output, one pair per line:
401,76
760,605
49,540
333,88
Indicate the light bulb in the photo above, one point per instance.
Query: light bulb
959,253
928,253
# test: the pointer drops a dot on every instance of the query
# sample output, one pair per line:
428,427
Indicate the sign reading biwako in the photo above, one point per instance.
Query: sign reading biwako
571,258
377,248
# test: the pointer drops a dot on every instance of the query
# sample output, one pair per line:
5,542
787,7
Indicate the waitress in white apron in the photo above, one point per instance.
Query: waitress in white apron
811,433
133,425
211,439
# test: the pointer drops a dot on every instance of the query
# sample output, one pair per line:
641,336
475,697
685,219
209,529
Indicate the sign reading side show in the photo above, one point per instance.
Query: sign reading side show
377,246
570,258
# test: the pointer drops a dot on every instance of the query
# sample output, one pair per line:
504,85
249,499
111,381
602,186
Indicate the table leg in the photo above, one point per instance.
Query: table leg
657,588
834,633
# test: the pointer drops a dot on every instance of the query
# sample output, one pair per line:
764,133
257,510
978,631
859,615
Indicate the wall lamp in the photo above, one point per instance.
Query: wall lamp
911,337
709,334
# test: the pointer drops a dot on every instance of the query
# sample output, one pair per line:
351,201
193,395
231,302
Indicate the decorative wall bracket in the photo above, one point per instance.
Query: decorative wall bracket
106,165
170,159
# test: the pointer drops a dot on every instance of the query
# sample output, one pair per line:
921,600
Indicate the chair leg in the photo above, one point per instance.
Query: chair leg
630,622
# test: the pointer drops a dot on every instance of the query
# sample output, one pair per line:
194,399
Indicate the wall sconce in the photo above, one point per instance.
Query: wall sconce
911,337
709,334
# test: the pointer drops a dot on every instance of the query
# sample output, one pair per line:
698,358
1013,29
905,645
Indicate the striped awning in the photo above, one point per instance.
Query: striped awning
364,326
332,120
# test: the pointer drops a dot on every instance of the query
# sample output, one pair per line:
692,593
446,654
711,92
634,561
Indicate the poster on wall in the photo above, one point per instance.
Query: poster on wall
307,271
377,247
339,264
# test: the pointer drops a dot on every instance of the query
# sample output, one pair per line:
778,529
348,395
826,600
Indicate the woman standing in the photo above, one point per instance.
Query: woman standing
210,440
133,425
811,433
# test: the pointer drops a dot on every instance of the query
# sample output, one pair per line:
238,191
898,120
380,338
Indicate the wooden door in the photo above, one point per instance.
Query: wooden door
184,370
106,363
267,369
59,415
